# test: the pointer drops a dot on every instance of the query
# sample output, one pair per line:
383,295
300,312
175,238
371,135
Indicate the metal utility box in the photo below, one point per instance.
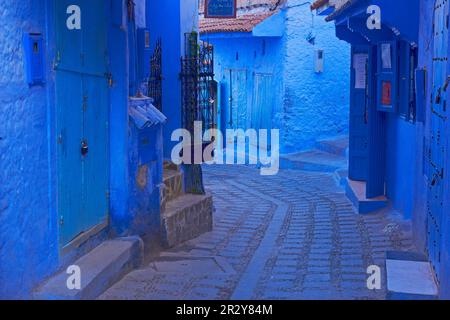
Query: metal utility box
34,58
318,61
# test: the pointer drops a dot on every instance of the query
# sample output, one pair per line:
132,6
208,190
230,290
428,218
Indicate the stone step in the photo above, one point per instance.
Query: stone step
340,176
185,218
313,160
338,145
356,192
99,270
409,276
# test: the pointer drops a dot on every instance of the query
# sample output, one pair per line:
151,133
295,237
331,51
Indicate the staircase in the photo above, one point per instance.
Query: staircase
184,216
328,156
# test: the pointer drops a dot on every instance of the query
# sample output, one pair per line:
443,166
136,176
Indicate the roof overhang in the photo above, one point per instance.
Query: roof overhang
270,27
398,18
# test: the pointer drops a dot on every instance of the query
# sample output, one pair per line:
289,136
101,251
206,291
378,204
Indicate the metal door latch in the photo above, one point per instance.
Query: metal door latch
447,82
84,148
438,96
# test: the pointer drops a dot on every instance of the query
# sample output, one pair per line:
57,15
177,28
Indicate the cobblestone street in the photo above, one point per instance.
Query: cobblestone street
290,236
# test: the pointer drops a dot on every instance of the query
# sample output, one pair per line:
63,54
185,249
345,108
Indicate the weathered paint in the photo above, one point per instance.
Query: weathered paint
316,105
278,48
169,20
82,104
29,224
408,170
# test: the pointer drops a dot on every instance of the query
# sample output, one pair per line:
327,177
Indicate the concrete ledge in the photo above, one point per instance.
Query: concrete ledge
356,192
313,161
186,217
337,146
409,276
100,269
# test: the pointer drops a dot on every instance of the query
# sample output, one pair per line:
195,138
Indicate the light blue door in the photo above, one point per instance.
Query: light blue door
237,105
263,97
438,143
82,118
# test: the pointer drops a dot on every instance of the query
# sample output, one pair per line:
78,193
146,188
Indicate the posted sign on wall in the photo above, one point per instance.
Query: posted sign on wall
220,8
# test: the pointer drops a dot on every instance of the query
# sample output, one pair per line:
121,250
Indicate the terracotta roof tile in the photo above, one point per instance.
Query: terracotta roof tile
318,4
243,23
242,4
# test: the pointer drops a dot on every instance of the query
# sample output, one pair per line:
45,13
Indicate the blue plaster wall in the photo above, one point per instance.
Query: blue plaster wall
401,151
164,22
316,105
308,106
145,179
28,227
29,246
119,93
419,217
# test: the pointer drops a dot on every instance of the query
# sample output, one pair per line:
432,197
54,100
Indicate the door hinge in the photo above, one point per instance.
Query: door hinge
61,220
85,99
108,195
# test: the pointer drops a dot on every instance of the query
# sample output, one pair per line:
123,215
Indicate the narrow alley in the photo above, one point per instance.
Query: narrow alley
237,150
294,235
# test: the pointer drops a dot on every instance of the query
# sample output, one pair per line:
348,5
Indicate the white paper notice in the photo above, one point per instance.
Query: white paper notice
360,66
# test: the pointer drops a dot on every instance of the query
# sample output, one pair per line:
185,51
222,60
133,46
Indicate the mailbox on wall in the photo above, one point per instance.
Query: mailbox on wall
34,58
144,53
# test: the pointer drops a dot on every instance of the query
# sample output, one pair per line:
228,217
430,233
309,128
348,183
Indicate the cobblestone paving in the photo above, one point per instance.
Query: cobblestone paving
290,236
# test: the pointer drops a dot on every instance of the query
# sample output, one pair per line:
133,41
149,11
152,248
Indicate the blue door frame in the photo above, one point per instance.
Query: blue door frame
376,176
358,157
438,140
82,106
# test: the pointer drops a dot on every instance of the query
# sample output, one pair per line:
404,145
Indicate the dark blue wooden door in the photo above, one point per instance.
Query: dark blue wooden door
438,140
358,155
377,134
82,118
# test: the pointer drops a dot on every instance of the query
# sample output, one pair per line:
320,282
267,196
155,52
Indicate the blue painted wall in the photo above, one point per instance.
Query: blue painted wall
29,239
420,218
28,226
307,106
401,151
316,105
169,20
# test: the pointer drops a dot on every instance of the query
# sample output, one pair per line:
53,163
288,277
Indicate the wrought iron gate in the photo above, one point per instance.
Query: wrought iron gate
199,90
155,80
